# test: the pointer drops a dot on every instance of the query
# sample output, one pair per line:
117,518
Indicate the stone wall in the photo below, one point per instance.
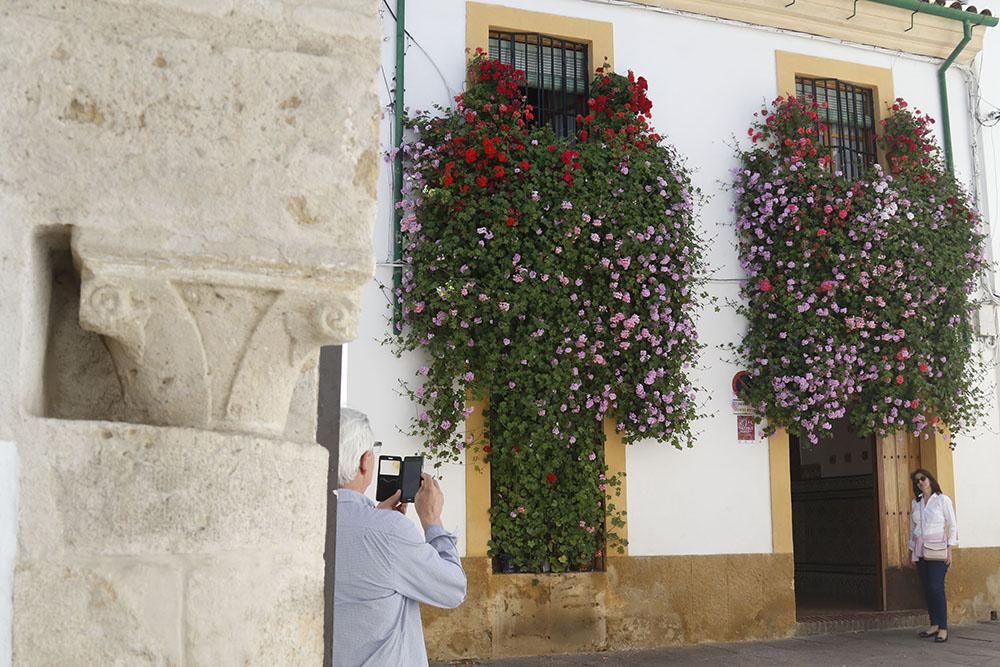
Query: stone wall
653,602
973,585
638,603
187,194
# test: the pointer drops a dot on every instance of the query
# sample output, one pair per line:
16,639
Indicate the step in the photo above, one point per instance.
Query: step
855,621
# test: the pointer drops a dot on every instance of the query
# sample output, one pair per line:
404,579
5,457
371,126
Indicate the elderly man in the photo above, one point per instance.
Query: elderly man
385,567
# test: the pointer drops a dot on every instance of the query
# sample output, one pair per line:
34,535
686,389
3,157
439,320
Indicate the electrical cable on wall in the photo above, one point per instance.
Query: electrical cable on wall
413,40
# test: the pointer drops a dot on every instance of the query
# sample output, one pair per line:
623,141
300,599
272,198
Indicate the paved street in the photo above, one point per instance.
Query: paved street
976,644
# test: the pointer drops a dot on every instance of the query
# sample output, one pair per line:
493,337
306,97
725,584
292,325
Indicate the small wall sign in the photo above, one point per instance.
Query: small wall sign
745,428
741,381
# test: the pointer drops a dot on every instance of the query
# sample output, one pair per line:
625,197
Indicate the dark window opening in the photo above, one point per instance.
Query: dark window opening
848,112
557,73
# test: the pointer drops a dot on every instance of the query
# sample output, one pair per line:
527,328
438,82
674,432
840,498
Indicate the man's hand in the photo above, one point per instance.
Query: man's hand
429,501
947,561
392,503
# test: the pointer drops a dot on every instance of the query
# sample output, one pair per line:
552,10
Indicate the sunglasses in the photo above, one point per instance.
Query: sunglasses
919,478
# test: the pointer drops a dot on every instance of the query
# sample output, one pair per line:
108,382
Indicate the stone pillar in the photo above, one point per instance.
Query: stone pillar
210,167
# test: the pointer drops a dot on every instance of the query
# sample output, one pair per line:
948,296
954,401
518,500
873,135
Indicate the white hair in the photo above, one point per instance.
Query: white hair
356,438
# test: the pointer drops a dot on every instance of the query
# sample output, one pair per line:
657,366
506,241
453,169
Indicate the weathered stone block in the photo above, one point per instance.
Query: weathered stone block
100,612
521,614
577,612
973,584
538,614
255,609
217,132
638,603
647,601
778,595
465,632
131,490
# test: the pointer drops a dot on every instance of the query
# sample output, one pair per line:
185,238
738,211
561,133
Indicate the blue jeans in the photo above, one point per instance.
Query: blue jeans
932,577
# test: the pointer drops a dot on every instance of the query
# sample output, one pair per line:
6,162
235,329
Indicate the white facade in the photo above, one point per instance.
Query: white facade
706,78
977,461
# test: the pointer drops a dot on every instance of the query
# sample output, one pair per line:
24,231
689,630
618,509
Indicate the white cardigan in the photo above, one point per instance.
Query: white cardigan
933,522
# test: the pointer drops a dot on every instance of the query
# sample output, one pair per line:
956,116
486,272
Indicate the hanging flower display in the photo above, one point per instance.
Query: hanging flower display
859,291
559,278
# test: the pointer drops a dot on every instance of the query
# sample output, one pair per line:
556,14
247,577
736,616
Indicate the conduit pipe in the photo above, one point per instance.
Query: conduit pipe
397,167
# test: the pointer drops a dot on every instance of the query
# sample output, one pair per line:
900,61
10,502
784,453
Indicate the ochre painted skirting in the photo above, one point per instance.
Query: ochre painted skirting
638,603
654,601
973,584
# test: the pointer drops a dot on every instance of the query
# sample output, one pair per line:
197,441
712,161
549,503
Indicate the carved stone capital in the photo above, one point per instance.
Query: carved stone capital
208,344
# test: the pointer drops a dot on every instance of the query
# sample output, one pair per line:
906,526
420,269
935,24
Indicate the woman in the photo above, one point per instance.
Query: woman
932,524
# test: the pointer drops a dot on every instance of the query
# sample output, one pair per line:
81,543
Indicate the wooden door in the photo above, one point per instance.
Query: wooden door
898,456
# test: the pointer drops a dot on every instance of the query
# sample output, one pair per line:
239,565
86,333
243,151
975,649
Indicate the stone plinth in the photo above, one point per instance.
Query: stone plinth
638,603
166,546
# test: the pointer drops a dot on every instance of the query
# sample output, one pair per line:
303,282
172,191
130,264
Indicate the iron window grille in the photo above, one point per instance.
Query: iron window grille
849,117
557,73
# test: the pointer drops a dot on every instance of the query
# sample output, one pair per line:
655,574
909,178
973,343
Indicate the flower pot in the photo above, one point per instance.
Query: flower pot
505,564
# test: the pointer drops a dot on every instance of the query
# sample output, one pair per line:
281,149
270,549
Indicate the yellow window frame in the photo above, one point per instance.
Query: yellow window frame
480,18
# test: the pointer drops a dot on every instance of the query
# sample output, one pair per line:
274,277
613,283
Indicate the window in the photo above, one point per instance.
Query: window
488,27
848,111
557,72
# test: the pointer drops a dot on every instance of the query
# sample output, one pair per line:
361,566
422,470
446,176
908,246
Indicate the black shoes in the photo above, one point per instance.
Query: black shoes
923,634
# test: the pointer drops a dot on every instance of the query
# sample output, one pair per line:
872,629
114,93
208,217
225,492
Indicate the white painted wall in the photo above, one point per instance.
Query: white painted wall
706,79
977,457
8,545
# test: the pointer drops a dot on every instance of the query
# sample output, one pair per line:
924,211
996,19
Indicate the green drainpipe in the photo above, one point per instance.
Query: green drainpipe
949,156
968,19
397,171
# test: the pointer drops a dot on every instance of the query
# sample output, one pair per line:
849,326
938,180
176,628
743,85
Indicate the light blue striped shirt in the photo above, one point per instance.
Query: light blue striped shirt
384,569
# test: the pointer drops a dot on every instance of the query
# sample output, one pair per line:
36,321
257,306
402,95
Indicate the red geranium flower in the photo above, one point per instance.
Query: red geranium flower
498,171
471,155
552,478
481,181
